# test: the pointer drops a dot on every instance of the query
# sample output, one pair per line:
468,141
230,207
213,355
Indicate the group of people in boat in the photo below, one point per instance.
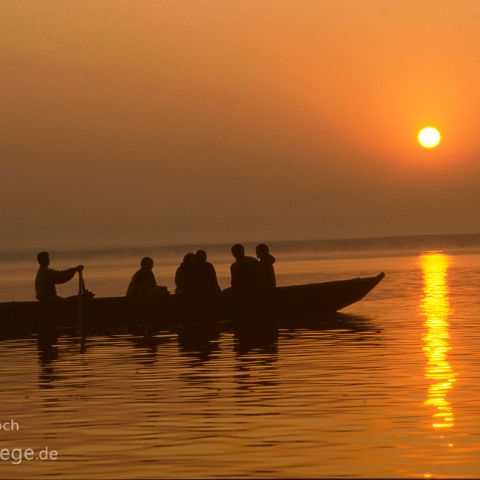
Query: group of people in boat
195,275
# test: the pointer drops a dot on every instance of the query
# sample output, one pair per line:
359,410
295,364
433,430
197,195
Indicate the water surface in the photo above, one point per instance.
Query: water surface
390,388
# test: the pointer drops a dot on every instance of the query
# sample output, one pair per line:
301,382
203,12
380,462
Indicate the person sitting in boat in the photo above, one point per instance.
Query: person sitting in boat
247,275
143,283
184,276
266,262
204,276
47,278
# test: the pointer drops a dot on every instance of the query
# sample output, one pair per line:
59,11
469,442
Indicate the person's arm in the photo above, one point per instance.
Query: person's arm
132,286
179,279
150,280
261,274
63,276
274,278
233,275
214,279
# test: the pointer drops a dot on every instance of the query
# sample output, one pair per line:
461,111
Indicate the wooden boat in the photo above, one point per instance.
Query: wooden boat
312,300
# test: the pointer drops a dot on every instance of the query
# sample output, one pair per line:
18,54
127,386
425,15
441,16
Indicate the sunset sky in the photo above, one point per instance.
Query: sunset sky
160,122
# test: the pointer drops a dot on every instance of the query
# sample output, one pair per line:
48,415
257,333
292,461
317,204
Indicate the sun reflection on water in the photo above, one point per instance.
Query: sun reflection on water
435,307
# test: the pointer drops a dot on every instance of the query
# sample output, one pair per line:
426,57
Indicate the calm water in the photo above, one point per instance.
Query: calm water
390,389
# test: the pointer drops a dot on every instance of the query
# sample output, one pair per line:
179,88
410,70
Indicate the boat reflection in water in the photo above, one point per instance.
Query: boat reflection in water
435,307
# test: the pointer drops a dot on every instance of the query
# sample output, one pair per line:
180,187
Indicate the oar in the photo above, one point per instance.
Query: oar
81,293
81,283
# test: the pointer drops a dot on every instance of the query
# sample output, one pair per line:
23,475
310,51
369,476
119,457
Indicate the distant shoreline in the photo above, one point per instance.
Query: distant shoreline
381,244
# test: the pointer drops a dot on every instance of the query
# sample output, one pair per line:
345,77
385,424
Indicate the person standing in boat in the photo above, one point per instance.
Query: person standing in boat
246,272
47,278
266,262
204,275
143,282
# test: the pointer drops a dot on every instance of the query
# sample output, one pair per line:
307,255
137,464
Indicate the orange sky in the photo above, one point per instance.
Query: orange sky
177,121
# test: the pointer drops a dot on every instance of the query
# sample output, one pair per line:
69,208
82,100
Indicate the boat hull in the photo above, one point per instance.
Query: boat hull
282,302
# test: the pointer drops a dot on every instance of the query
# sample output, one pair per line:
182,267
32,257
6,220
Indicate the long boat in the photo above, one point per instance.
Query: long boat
286,302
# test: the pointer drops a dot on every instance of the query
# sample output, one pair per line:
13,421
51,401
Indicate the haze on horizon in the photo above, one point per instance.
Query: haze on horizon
161,122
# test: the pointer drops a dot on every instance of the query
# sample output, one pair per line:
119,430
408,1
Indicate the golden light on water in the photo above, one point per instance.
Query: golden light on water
436,309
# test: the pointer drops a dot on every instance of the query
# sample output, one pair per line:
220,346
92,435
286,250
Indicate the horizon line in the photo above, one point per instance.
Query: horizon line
246,242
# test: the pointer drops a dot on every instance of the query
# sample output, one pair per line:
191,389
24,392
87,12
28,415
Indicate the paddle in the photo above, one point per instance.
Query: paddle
81,283
81,294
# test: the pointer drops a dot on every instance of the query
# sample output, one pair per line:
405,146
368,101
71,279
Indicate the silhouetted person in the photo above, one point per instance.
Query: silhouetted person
184,274
266,262
143,283
47,278
247,275
204,281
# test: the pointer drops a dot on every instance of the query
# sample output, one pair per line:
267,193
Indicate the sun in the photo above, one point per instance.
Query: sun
429,137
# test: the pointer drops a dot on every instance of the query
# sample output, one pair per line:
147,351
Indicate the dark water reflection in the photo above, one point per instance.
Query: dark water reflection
254,346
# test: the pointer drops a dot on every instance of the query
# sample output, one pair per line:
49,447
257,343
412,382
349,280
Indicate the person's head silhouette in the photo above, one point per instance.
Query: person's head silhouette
189,258
146,263
262,250
201,256
43,259
238,251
